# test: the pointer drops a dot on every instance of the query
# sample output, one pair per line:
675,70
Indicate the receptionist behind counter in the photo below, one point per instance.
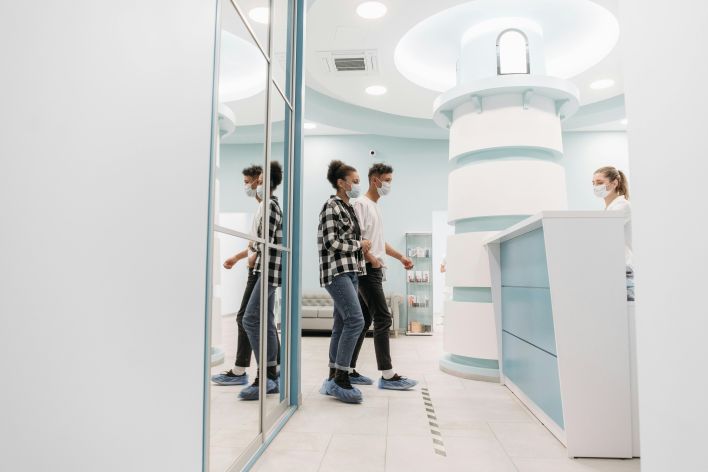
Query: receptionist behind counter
612,186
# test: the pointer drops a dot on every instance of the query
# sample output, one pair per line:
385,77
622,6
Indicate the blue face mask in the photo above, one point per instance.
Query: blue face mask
354,192
259,191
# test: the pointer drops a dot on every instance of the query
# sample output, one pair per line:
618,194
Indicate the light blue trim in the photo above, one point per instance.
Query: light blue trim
327,110
528,315
472,294
474,361
281,424
487,223
469,368
523,261
297,212
517,153
535,372
214,130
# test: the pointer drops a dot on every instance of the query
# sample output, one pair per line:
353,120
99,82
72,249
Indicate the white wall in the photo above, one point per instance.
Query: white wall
104,145
665,70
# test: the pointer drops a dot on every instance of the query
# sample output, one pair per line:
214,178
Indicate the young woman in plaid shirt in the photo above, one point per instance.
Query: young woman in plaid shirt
273,278
341,252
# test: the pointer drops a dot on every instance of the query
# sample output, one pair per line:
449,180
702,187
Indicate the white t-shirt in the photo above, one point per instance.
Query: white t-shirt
622,204
371,222
254,227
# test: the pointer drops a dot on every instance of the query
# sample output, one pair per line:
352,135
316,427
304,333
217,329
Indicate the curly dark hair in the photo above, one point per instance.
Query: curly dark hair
276,175
380,169
338,170
252,171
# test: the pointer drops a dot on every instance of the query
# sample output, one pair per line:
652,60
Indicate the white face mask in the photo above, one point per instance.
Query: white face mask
354,192
385,188
251,192
601,191
259,191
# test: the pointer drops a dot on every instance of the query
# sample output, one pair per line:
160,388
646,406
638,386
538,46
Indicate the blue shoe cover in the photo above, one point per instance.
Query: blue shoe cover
344,394
397,383
225,379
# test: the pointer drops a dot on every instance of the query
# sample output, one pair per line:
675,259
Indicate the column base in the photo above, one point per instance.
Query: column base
217,356
486,370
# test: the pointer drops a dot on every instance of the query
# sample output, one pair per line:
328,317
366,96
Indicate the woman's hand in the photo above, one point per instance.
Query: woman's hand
365,245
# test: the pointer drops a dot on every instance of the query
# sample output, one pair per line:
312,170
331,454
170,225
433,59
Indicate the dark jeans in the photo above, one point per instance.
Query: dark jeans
243,346
252,324
373,304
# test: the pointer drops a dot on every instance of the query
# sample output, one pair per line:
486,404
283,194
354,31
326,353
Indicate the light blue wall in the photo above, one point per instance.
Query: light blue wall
419,186
234,158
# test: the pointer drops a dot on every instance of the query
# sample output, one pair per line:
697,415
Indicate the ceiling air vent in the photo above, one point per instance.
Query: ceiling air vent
349,62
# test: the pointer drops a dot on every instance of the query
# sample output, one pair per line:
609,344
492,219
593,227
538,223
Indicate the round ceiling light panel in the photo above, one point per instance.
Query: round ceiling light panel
371,10
376,90
602,84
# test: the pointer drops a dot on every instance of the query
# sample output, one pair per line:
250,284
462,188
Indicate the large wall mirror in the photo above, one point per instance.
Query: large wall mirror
248,383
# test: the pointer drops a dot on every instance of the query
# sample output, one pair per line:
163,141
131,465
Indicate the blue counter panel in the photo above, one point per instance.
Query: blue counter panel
523,261
535,372
527,314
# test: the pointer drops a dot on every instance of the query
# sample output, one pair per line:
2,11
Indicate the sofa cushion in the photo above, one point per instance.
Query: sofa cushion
309,312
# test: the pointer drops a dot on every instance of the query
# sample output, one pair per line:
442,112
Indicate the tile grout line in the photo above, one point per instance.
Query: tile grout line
435,433
388,420
331,435
496,438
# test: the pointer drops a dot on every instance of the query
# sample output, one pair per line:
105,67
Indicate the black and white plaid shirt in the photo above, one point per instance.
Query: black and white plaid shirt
275,236
339,241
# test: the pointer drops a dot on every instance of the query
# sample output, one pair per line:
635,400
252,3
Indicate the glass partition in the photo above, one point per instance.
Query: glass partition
251,256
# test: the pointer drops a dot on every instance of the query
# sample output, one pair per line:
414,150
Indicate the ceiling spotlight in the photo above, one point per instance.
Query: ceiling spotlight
260,15
309,125
602,84
376,90
371,10
624,121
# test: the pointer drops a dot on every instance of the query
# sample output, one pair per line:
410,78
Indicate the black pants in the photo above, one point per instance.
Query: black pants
243,346
373,304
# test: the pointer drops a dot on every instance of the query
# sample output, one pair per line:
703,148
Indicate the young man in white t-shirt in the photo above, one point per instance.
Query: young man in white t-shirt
371,293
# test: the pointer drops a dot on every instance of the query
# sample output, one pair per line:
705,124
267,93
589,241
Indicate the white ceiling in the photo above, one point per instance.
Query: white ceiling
335,26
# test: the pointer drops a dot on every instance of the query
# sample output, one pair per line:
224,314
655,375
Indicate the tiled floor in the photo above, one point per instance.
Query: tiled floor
484,427
233,423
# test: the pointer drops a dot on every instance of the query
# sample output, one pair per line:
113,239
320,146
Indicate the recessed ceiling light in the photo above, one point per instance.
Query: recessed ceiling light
309,125
260,15
602,84
624,121
371,10
376,90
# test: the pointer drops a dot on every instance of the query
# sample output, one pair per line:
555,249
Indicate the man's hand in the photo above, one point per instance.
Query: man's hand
407,263
365,245
230,262
375,263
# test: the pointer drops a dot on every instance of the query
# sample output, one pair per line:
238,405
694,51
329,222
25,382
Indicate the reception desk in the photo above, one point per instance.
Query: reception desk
559,292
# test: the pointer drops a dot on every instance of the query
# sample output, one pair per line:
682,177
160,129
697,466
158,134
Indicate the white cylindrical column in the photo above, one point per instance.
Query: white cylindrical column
505,148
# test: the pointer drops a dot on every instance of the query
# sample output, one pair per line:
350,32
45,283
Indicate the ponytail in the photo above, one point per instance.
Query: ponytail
614,174
623,185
